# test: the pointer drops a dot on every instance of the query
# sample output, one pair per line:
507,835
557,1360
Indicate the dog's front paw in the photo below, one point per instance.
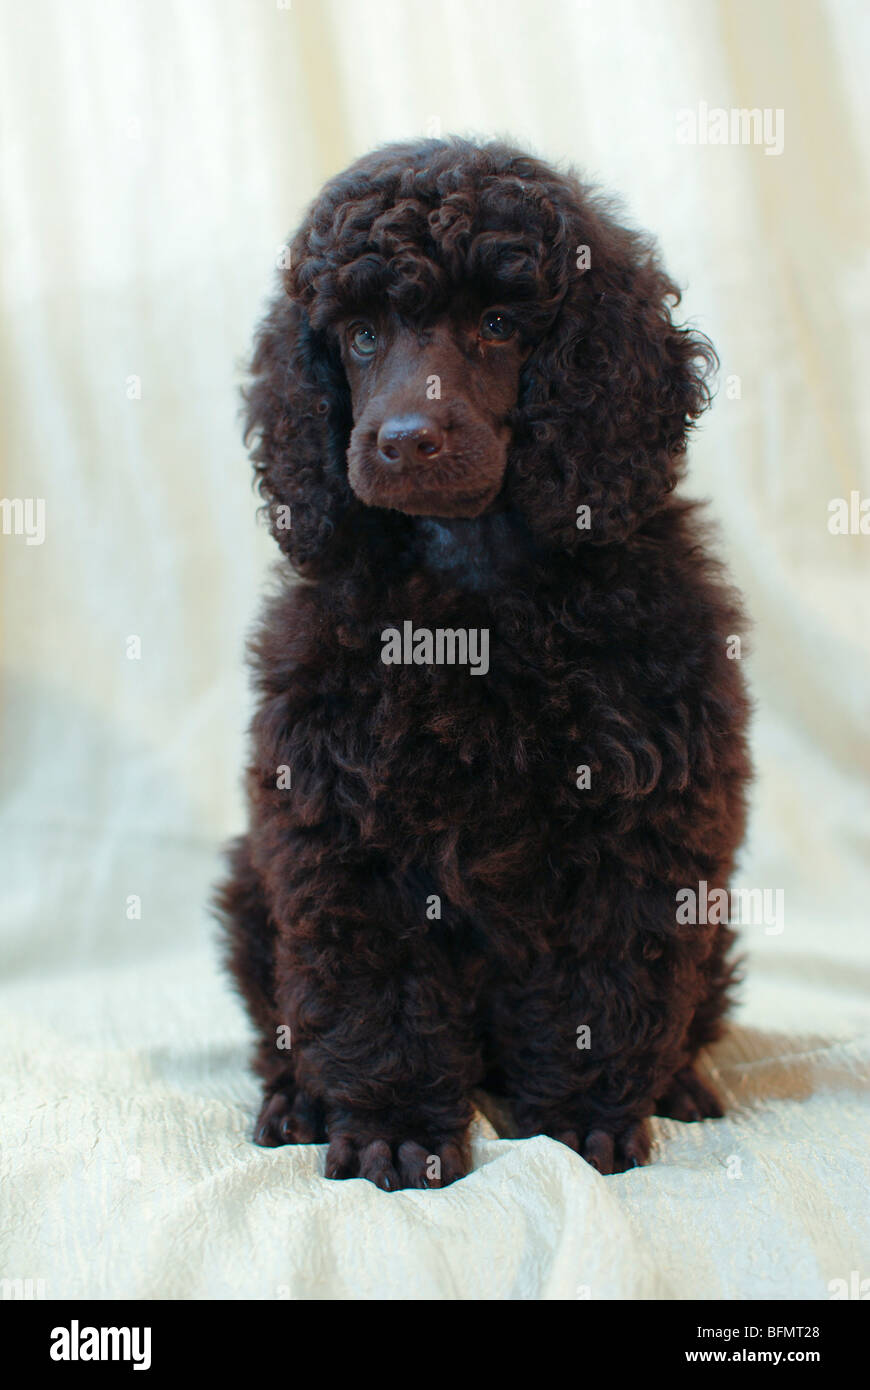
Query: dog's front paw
610,1149
394,1164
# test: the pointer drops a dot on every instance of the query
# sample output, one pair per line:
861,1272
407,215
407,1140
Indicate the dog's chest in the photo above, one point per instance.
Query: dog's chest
450,715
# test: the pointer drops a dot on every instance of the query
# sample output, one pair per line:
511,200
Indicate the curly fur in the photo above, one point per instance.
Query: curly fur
411,782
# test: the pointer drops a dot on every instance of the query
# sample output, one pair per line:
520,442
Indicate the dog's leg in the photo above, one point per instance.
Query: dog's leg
687,1097
249,934
287,1115
381,1035
721,978
596,1037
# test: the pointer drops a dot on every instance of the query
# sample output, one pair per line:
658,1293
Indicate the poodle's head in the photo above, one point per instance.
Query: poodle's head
462,328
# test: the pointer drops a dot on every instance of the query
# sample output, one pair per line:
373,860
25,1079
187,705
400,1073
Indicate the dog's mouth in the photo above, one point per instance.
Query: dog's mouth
462,481
419,497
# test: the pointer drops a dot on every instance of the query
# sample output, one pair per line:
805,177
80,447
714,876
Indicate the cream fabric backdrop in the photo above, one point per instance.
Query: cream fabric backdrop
154,154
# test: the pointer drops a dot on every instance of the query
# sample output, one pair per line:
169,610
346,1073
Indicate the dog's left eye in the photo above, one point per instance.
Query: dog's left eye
496,326
363,339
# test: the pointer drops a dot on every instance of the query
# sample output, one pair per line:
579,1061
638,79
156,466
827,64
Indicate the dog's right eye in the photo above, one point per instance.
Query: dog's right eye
363,339
496,326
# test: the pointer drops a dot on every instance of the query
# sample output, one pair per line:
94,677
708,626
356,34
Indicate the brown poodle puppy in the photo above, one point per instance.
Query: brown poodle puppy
498,728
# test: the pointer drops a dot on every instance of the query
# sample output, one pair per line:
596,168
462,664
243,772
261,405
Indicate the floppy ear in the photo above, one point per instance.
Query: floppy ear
607,398
298,422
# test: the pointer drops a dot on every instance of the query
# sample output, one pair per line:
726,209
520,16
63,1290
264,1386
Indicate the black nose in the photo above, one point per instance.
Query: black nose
409,439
